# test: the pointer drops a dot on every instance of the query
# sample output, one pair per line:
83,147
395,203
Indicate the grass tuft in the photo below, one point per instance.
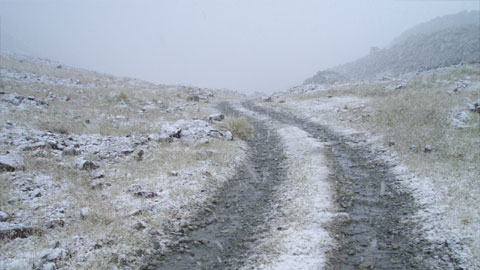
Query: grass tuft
240,127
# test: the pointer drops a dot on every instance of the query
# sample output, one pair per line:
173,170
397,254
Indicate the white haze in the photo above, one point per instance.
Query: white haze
244,45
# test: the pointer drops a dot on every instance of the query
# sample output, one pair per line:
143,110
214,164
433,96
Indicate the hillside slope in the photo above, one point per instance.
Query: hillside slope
444,41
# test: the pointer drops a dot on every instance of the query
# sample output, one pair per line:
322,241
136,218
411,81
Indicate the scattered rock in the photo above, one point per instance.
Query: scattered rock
461,120
145,194
138,156
11,162
98,184
474,107
54,244
99,174
427,149
48,266
193,98
228,136
396,87
55,223
86,164
268,99
84,213
134,188
36,193
12,231
216,117
59,66
3,216
139,226
173,173
391,143
70,151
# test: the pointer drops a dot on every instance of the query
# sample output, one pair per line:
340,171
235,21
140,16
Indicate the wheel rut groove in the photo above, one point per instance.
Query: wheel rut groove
377,233
220,236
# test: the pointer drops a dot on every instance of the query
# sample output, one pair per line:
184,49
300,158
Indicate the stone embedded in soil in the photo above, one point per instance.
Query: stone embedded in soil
427,149
139,226
3,216
12,231
216,117
55,223
11,162
86,164
84,213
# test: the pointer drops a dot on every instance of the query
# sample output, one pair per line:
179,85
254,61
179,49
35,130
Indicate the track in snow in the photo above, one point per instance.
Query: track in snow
379,233
221,236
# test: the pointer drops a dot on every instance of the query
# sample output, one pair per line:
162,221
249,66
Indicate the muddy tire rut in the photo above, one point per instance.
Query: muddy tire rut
378,231
375,231
220,237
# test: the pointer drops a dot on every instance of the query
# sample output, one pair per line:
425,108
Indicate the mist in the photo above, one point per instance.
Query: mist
246,45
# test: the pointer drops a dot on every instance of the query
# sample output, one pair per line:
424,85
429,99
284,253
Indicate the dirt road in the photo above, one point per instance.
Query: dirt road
377,233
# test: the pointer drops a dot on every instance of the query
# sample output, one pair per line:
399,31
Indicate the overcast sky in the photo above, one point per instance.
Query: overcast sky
246,45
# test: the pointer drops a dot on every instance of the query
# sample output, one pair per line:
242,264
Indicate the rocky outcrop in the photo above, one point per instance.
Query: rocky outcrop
191,131
13,101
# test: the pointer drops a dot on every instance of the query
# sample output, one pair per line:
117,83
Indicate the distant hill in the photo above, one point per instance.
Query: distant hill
443,41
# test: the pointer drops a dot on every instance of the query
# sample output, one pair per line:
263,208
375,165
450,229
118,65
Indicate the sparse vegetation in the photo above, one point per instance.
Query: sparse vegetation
416,115
239,126
121,109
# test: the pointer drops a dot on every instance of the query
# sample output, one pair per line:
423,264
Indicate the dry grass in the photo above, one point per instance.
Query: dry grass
239,126
4,190
115,106
415,116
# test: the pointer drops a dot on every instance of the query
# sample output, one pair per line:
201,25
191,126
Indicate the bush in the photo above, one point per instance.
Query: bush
239,126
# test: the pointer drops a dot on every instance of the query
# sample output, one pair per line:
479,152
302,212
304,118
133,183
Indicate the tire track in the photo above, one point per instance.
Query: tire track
220,237
378,232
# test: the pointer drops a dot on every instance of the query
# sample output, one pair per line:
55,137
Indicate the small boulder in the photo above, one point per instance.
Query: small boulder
55,223
138,155
3,216
10,163
86,164
139,226
193,98
70,151
228,136
427,149
461,120
216,117
54,255
145,194
12,231
49,266
84,213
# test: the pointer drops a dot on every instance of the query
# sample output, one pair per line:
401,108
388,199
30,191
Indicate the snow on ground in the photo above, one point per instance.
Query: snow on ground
297,238
333,113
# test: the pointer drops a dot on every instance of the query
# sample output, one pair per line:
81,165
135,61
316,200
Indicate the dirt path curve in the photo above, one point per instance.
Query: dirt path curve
221,236
378,232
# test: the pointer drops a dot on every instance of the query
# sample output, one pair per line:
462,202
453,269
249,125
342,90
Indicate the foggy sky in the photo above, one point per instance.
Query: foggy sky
243,45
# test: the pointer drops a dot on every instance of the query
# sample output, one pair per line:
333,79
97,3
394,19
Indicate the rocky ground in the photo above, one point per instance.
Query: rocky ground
99,172
93,170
